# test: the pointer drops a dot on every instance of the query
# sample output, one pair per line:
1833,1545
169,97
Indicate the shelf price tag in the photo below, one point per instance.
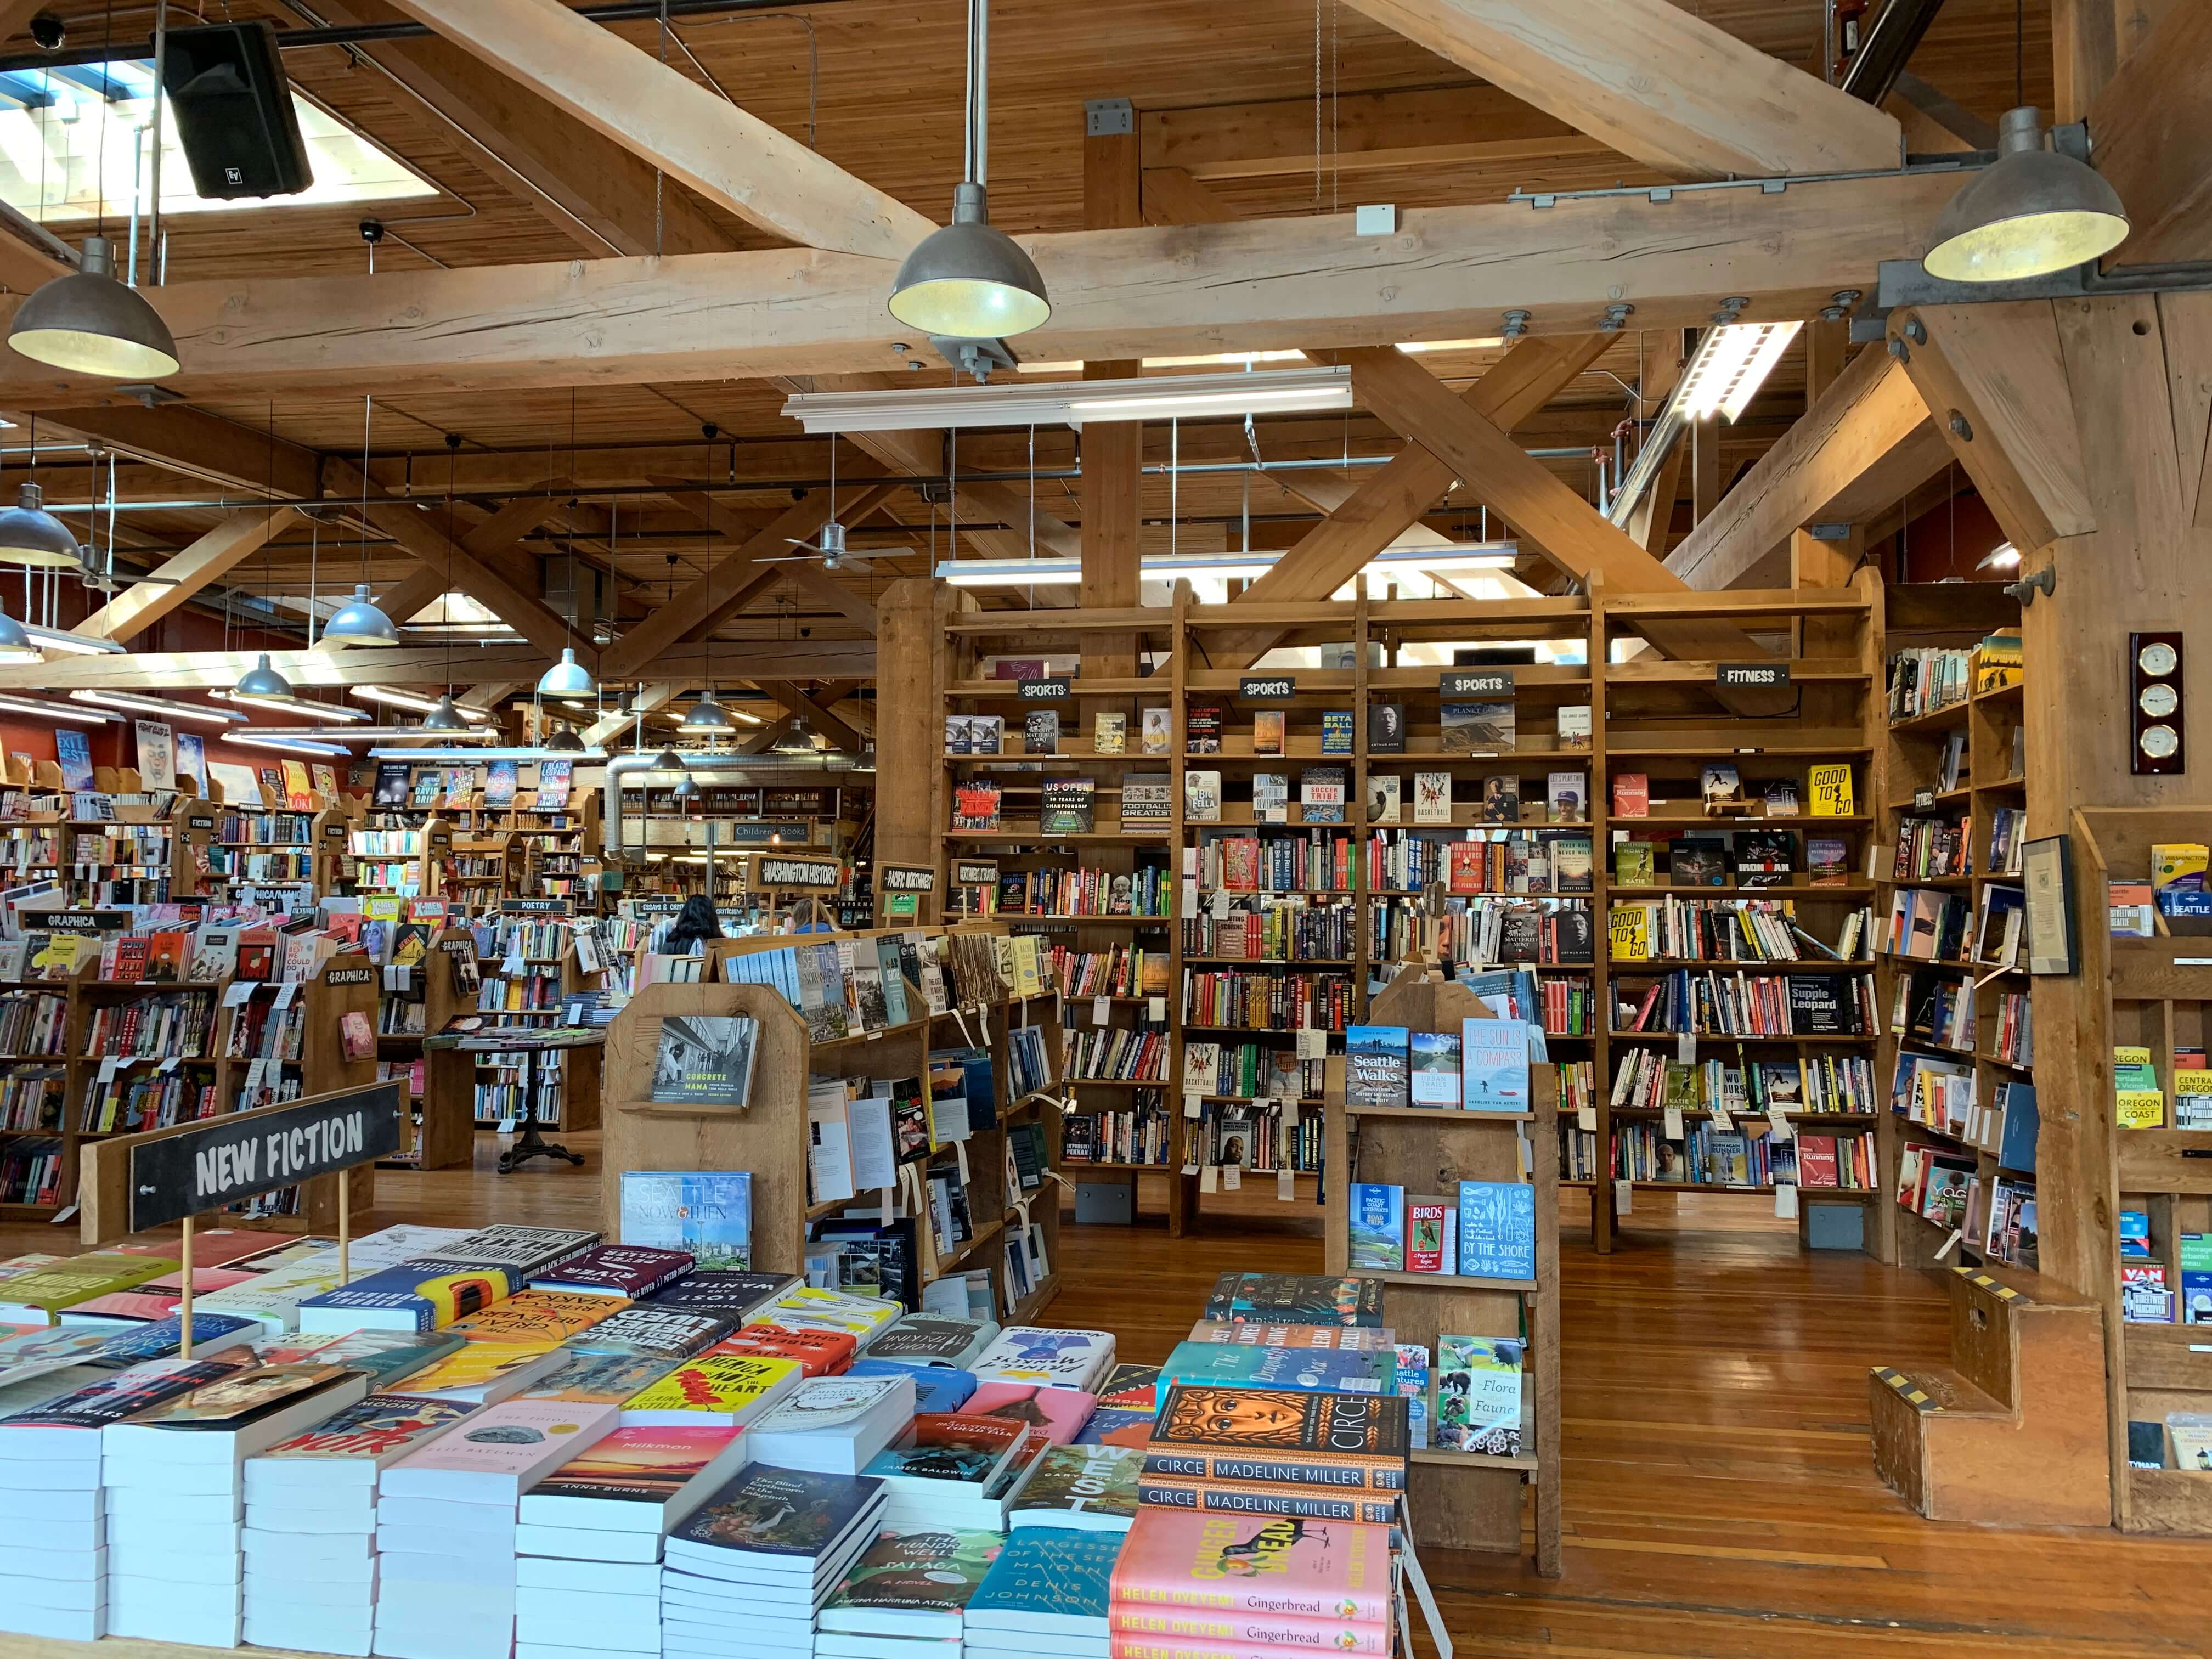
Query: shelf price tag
1209,1178
1785,1200
1193,1103
1286,1187
1220,905
1586,1119
1673,1126
1722,1120
507,1126
1778,1123
1686,1047
1312,1044
1156,1010
1190,1169
1233,1177
1102,1010
1624,1198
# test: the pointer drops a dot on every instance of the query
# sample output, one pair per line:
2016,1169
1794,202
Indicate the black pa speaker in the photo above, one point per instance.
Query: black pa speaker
226,84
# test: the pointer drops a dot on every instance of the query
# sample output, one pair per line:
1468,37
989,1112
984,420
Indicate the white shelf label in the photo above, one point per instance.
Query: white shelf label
1102,1010
1312,1044
1785,1202
1674,1125
1624,1197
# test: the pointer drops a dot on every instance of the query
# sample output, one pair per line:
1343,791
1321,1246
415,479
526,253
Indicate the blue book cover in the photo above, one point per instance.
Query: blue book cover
1378,1227
1255,1365
1116,1425
936,1389
426,1294
709,1213
2021,1121
1376,1065
1493,1062
1060,1576
1496,1230
164,1337
1508,992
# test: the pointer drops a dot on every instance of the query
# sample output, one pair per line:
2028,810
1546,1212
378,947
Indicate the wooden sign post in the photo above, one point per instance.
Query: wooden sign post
132,1182
795,874
906,894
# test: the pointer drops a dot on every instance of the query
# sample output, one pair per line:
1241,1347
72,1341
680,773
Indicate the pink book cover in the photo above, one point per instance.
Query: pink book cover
215,1247
204,1280
1057,1414
132,1304
1266,1565
1189,1633
521,1437
640,1465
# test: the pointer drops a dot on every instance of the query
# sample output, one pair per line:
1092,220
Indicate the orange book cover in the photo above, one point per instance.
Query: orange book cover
819,1353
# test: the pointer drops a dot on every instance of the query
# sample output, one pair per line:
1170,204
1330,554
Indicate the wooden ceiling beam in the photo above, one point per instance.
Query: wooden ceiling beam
1868,441
191,442
432,665
585,185
807,575
1254,284
733,159
833,727
1655,82
139,606
1428,126
2151,123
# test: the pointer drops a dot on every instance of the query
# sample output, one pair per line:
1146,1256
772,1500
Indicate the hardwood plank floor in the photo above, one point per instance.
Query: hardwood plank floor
1721,1502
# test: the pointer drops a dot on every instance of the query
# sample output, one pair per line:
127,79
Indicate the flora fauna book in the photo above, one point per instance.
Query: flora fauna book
704,1059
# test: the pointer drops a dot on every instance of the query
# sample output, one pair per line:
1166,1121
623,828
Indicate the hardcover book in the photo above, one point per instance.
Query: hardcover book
1061,1358
1202,730
1347,1338
1383,797
425,1295
1493,1065
1574,727
1336,731
1295,1299
1147,799
927,1339
1045,1583
1432,798
1109,733
1631,795
1830,787
732,1390
536,1318
1128,1387
1386,728
612,1271
1433,1078
658,1333
1479,1386
1239,1365
1068,806
601,1379
1041,731
1267,731
526,1249
1496,1230
705,1059
730,1293
350,1446
1201,796
1478,728
1090,1488
1375,1066
1317,1570
1378,1227
776,1513
1054,1414
706,1213
635,1478
975,803
1156,734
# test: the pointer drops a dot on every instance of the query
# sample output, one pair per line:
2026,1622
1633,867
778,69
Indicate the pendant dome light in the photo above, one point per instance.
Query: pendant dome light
685,788
445,716
668,761
797,739
360,620
2032,212
567,678
263,681
87,322
564,741
15,644
707,717
29,535
969,280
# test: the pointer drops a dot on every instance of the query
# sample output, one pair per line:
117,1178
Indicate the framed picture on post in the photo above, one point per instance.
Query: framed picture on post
2047,868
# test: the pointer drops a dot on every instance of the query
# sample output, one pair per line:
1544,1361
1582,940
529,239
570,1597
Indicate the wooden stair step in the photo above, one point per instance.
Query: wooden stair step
1935,1388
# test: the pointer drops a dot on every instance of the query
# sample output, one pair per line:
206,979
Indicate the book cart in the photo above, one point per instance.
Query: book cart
2154,993
769,1135
1460,1499
166,1045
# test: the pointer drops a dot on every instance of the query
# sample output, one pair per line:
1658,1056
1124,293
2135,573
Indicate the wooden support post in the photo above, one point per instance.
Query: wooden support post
910,675
1827,344
1112,451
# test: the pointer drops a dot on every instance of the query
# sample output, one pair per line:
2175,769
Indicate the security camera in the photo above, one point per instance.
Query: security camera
47,33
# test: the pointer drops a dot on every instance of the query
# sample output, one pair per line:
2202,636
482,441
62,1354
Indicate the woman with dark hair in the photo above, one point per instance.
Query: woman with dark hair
695,924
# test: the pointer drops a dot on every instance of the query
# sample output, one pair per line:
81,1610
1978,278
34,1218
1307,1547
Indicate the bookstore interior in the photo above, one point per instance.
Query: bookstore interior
1413,875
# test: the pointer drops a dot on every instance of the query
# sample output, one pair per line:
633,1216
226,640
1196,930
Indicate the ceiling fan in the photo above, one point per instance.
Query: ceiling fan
830,548
96,570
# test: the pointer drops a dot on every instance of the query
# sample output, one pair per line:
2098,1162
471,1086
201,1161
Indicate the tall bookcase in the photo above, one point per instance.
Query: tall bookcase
1664,719
1953,820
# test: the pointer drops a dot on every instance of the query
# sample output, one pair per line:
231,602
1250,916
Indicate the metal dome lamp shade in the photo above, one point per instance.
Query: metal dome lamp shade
445,717
567,678
564,741
30,535
16,646
87,322
797,737
263,681
969,280
2032,212
360,620
668,761
707,716
686,788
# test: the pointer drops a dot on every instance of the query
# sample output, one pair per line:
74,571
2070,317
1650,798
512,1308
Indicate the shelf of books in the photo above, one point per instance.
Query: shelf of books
884,1105
276,858
403,861
110,1031
2143,920
1958,1046
1442,1117
659,843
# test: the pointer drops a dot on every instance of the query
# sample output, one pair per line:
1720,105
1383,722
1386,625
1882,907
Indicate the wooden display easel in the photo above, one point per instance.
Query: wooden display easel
1462,1500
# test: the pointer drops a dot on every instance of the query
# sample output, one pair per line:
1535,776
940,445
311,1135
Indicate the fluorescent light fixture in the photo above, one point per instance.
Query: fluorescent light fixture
457,752
61,712
1732,362
2003,556
368,734
175,711
384,694
77,644
329,711
1020,572
289,745
1071,402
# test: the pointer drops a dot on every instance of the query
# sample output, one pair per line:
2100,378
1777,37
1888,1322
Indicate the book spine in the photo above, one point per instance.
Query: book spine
1289,1502
1195,1635
1339,1471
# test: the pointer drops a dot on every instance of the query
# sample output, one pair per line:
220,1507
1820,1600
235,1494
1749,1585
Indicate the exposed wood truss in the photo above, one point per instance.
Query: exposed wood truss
1446,126
800,659
139,606
2150,125
1655,82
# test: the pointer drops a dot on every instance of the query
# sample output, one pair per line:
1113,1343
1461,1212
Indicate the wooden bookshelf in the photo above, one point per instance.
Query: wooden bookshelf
770,1137
1462,1500
407,861
273,854
1951,769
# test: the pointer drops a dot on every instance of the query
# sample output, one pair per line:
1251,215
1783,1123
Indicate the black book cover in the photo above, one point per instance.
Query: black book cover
1386,728
1821,1005
1694,861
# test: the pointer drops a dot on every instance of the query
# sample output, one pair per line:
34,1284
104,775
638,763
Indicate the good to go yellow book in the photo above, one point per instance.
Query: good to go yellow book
1830,787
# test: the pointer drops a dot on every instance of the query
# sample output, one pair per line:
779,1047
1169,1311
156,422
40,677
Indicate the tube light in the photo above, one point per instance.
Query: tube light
1020,572
329,711
61,712
1732,362
1070,403
77,644
368,733
589,757
289,745
384,694
175,711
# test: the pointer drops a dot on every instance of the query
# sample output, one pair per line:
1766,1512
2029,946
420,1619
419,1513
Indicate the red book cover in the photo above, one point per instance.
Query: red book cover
166,954
1466,866
256,955
819,1353
1425,1235
1644,1013
1816,1160
1631,795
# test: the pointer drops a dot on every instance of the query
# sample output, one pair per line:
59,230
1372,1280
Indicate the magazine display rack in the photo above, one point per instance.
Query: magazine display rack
769,1135
1460,1499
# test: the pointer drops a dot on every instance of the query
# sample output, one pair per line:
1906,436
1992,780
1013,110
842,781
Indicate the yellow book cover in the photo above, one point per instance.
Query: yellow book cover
864,1312
2192,1084
381,907
1630,925
2171,860
733,1388
2142,1108
475,1364
1029,966
79,1279
60,958
542,1319
1831,789
298,793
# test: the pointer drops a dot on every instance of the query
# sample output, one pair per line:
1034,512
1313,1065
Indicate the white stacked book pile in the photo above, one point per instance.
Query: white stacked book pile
1049,1358
446,1525
833,1425
1049,1592
588,1541
310,1538
174,1495
745,1577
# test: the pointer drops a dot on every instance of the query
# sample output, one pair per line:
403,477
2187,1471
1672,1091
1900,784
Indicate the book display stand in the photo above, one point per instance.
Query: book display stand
1463,1499
1958,1142
769,1136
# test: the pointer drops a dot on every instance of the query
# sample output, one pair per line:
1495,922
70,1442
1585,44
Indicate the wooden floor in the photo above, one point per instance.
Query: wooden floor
1720,1499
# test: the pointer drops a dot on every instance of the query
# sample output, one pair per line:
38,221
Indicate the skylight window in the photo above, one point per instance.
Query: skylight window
71,136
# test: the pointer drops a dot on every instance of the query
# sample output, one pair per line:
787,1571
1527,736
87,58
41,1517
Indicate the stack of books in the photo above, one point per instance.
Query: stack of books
174,1495
907,1595
833,1425
310,1537
1049,1592
1180,1582
948,1470
926,1339
1050,1359
1080,1489
589,1539
446,1527
1305,1456
744,1578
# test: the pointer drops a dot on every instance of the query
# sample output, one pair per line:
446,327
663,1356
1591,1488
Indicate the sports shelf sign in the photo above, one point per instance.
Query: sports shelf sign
1476,682
198,1167
1266,688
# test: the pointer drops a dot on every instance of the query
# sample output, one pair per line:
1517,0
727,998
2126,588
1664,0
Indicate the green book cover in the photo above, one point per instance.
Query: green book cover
912,1577
1633,865
1082,1480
